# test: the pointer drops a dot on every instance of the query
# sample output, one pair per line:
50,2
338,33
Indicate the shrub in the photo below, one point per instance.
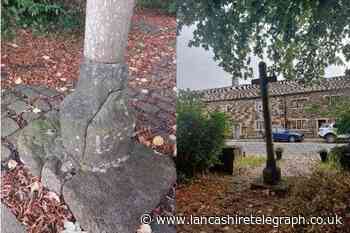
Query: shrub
168,6
323,154
341,155
200,135
39,15
322,194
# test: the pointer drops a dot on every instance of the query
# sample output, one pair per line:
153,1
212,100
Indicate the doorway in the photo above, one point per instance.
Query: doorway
237,131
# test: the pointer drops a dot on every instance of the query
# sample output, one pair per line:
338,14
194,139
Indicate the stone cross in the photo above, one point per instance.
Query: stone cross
271,173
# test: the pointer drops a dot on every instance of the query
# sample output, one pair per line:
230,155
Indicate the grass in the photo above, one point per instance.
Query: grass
250,161
329,166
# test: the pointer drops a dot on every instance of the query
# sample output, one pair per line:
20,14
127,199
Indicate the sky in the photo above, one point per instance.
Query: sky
196,68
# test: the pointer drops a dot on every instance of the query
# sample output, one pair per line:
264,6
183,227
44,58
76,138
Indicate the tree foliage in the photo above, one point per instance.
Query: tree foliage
38,15
339,111
200,135
301,37
168,6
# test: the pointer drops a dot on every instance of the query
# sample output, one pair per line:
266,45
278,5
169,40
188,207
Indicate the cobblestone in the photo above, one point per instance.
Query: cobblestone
16,103
8,126
8,98
45,91
28,92
5,153
19,106
42,105
30,116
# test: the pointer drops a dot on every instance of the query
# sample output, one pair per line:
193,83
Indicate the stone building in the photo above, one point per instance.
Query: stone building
289,101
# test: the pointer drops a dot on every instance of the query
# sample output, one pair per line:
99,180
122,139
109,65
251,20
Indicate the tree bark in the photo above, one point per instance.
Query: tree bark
106,29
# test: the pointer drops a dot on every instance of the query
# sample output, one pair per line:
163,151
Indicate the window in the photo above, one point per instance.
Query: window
228,108
297,124
258,106
259,125
333,99
299,103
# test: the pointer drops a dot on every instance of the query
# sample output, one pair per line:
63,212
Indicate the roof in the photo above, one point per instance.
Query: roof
279,88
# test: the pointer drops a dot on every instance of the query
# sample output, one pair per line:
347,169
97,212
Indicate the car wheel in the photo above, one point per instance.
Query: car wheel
291,139
330,138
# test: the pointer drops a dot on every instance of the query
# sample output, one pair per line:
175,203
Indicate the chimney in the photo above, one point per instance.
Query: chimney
234,81
347,72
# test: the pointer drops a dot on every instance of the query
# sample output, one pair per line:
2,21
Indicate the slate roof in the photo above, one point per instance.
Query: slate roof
279,88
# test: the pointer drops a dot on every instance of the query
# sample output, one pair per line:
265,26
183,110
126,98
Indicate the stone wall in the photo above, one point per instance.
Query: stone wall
246,112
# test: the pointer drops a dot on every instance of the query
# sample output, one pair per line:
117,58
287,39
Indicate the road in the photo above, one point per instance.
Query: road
301,148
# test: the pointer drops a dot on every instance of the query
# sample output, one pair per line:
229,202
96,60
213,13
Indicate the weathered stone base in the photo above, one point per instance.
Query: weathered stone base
113,201
281,187
105,199
271,176
109,199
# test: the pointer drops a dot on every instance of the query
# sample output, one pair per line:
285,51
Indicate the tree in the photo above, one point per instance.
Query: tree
301,37
343,116
340,111
104,42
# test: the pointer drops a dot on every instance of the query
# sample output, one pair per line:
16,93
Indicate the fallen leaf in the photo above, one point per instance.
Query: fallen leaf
63,89
158,141
172,137
18,81
36,110
34,187
12,164
13,45
53,196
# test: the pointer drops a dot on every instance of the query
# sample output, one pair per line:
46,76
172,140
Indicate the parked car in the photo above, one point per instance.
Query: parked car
286,135
329,133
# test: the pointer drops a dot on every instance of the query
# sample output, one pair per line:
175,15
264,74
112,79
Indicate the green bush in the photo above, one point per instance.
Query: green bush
168,6
200,135
341,156
343,115
39,15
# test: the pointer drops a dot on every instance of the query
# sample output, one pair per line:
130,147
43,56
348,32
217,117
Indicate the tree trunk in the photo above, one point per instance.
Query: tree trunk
106,29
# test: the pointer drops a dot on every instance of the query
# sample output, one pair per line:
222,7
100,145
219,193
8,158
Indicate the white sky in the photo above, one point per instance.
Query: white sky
197,70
